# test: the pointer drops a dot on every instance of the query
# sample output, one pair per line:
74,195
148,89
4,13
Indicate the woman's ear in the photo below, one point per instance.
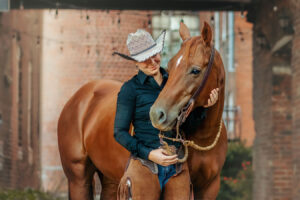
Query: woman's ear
137,65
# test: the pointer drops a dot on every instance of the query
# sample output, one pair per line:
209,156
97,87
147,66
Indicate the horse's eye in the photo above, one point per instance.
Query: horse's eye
195,71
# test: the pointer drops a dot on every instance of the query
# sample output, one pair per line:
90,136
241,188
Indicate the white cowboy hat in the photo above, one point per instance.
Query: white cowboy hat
141,45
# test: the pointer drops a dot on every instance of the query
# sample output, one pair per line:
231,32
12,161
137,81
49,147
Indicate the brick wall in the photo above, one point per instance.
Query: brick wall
274,113
77,49
64,50
19,99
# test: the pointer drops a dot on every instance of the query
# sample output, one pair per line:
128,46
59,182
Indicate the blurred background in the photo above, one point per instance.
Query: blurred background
50,48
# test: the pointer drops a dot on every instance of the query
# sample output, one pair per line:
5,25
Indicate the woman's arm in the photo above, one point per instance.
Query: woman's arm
123,118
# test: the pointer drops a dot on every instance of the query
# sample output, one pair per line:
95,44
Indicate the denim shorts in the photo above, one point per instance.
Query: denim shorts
165,173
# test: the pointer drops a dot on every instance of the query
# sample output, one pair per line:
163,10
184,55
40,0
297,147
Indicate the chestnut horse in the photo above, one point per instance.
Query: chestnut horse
85,127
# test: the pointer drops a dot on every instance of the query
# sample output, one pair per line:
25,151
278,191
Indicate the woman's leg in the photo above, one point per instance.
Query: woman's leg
139,183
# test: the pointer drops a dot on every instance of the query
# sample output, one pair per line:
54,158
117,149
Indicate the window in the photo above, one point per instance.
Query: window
170,21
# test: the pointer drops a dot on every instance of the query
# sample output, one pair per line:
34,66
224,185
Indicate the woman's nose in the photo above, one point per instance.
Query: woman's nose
153,60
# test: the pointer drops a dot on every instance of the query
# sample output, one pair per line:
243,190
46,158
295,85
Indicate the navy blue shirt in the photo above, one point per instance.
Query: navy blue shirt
135,99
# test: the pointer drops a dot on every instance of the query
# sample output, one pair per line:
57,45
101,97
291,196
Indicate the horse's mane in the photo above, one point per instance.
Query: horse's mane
193,120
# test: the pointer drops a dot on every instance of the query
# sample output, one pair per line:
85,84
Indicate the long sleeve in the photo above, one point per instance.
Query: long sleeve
124,116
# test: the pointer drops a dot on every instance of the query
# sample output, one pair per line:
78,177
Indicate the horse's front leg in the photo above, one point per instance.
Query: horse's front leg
208,192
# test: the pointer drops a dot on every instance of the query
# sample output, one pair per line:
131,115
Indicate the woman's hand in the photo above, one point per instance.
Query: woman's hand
213,97
160,157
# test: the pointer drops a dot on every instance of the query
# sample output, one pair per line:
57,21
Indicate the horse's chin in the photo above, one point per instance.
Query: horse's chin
166,126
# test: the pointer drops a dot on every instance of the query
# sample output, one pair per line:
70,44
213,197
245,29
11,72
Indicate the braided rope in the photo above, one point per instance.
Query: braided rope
191,143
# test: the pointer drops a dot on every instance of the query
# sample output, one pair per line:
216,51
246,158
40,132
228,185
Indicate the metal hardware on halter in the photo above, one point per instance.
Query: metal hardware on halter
185,111
128,184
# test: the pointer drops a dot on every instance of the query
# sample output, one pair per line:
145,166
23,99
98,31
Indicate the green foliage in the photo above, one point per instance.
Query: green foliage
27,194
237,174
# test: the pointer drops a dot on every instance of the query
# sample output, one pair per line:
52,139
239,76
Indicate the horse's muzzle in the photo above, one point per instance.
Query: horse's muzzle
160,119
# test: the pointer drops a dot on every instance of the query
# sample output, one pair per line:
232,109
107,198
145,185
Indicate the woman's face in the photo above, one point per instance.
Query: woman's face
150,66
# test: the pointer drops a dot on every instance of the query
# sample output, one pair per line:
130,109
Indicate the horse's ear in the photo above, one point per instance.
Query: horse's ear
206,33
184,31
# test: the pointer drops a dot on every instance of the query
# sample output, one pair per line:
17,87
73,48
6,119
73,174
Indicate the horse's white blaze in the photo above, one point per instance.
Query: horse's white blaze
178,61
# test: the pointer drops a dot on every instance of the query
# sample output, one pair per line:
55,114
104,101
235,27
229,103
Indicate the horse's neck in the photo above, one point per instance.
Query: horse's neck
210,126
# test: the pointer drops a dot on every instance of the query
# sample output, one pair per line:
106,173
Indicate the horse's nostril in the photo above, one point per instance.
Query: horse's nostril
161,116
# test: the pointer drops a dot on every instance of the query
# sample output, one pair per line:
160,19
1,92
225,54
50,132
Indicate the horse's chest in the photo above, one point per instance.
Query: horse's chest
203,167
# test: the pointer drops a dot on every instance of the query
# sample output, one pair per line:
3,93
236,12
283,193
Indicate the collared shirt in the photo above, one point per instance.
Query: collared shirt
135,99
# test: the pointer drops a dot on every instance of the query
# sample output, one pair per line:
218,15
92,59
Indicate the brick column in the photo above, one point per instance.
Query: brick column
296,100
272,96
19,99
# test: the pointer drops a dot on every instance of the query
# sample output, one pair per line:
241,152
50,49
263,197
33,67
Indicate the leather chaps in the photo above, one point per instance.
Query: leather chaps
140,182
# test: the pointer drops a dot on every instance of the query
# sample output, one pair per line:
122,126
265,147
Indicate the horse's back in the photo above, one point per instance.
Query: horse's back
75,110
87,117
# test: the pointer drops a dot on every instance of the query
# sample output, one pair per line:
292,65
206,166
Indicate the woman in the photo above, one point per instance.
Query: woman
151,170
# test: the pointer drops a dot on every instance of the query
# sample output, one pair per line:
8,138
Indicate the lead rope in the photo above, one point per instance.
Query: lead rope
187,143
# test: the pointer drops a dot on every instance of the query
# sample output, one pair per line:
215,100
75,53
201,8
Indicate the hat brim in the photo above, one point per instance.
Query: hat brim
157,48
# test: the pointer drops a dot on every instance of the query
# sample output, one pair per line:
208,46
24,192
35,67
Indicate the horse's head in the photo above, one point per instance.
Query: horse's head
186,72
